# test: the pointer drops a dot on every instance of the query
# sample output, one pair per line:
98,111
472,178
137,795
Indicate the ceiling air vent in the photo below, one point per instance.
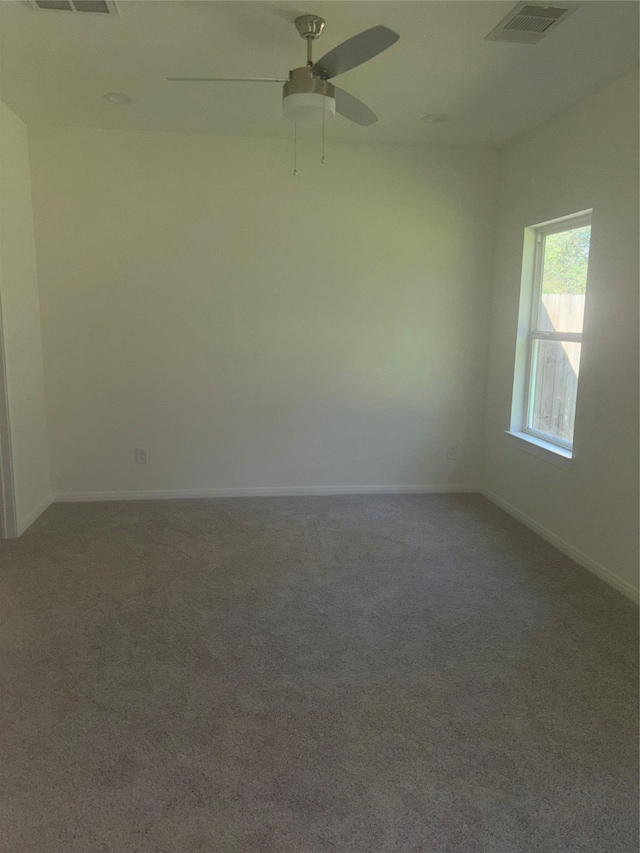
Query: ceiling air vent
528,23
94,7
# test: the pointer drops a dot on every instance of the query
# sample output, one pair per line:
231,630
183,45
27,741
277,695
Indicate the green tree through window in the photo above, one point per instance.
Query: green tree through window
566,257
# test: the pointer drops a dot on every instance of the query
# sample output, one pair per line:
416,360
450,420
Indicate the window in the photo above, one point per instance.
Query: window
554,284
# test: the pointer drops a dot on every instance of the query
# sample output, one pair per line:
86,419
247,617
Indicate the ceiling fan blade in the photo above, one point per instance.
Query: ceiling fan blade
225,80
353,109
354,52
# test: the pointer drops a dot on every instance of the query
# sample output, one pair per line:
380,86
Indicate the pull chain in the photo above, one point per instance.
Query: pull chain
295,148
322,160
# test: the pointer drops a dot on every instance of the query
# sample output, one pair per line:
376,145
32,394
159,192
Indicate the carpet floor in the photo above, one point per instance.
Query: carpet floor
417,674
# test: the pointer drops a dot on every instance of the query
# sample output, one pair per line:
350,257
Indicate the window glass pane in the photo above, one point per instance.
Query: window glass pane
564,280
554,381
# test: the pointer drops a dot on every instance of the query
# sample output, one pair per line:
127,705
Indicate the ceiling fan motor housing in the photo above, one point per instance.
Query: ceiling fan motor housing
306,97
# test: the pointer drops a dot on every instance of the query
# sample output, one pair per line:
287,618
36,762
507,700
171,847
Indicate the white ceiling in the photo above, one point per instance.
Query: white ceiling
56,66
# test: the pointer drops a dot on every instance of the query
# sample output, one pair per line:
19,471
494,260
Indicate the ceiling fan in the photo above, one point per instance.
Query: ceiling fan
307,93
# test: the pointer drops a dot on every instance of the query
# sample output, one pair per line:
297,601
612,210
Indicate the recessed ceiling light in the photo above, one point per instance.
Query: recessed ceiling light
118,98
436,118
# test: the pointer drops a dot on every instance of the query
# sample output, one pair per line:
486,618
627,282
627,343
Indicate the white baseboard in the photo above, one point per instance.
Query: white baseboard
26,521
258,491
578,556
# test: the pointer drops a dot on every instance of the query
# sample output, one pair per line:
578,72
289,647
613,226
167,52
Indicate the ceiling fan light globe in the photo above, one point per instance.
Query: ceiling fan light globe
308,107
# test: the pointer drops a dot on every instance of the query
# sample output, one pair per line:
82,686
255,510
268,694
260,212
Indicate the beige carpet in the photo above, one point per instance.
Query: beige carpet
297,675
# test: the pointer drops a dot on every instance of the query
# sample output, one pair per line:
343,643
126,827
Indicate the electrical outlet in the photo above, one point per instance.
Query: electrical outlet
452,451
141,455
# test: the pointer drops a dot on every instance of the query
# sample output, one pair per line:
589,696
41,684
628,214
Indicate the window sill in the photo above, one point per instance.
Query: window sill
559,456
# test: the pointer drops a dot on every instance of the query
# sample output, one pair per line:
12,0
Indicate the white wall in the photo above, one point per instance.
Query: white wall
256,330
25,445
585,158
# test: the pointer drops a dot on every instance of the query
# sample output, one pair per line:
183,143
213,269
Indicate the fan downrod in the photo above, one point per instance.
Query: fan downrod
309,27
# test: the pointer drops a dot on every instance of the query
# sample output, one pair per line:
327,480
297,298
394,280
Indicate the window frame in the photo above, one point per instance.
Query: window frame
529,332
